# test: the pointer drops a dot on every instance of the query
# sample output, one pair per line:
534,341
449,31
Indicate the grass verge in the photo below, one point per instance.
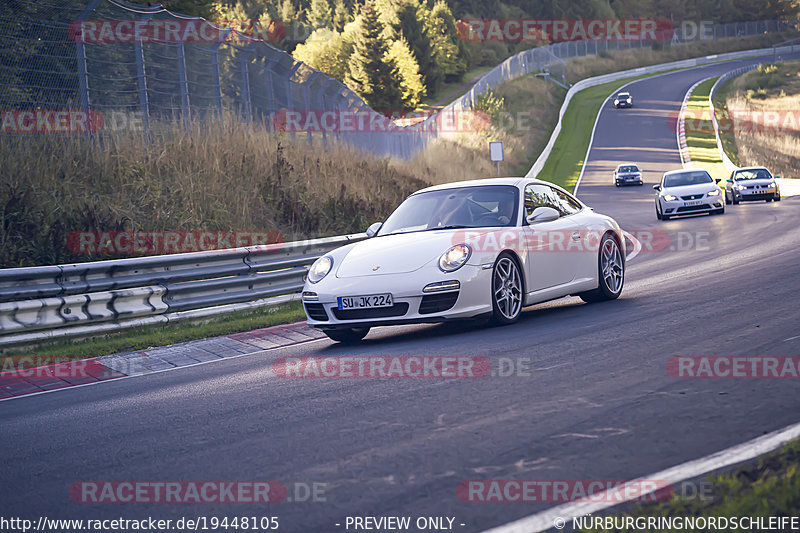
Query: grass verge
700,137
767,489
146,337
563,167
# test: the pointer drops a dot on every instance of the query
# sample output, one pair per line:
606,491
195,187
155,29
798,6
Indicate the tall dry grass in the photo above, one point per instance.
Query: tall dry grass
233,176
770,97
228,177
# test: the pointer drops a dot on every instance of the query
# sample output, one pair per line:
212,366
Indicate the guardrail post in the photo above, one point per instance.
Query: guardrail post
273,108
83,72
289,93
215,73
183,82
307,101
247,106
141,80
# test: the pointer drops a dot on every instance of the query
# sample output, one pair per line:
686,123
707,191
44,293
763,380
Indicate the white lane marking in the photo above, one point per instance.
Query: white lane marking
683,146
791,338
600,112
160,371
725,458
637,246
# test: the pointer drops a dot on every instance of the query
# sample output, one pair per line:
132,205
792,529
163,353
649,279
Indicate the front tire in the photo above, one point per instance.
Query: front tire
346,336
777,197
506,290
610,272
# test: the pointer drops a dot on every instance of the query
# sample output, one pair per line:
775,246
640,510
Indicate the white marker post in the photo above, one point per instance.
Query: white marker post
496,153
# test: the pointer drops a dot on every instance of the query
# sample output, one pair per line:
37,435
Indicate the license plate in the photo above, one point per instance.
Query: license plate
365,302
691,203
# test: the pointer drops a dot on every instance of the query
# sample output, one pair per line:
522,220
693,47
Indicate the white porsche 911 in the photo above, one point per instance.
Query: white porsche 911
480,249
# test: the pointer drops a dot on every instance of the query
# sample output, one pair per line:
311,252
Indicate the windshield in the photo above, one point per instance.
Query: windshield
464,207
756,174
629,168
623,95
687,178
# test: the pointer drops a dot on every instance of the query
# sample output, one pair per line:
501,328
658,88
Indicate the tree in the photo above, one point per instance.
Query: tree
320,14
287,12
449,51
371,75
412,90
341,16
411,23
327,51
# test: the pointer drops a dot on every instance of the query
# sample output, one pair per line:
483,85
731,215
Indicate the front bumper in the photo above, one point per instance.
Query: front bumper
410,304
752,195
630,181
680,207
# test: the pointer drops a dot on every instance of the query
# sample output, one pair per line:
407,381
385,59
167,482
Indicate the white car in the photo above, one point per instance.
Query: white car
751,184
466,250
689,191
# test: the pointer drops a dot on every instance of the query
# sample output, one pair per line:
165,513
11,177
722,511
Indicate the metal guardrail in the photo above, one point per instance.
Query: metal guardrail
730,166
85,298
42,299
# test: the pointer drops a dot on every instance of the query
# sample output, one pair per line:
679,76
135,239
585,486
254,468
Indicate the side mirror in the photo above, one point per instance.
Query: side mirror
374,229
542,214
657,187
717,181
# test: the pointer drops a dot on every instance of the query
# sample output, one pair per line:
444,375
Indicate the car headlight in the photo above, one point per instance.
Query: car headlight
616,102
669,197
454,258
629,100
320,269
741,187
714,193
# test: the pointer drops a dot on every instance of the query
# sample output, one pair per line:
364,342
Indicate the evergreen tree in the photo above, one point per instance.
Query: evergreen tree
320,14
341,16
372,75
287,12
411,23
411,87
449,51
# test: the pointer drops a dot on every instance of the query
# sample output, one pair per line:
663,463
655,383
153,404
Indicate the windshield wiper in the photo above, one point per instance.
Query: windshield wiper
450,226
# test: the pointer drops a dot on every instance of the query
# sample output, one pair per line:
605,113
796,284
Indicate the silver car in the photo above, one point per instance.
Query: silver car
751,184
627,174
688,192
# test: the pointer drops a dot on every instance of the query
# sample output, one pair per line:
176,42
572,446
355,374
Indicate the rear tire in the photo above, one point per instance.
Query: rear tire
346,336
610,272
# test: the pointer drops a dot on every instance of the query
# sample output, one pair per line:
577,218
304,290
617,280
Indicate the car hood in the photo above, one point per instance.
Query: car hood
684,190
750,183
398,254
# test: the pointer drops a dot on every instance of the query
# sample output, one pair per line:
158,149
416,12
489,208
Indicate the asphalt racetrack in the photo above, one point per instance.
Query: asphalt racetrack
597,402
